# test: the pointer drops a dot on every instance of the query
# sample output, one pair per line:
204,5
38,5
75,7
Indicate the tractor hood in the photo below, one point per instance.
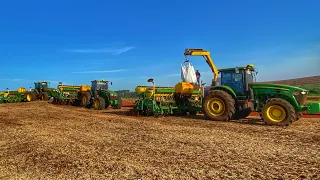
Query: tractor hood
277,87
109,92
49,89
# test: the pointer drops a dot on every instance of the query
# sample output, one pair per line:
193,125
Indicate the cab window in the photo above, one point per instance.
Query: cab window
234,80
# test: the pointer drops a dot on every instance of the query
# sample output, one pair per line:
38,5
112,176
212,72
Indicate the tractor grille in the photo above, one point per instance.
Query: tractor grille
113,97
301,99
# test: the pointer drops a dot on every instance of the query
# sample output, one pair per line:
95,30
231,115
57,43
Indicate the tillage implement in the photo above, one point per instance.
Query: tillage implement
13,96
157,101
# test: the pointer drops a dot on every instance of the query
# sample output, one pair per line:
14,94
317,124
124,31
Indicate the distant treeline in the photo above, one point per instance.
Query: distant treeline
126,94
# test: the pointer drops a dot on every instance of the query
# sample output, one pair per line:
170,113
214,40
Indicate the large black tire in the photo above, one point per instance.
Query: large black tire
31,96
99,103
279,112
214,101
85,99
298,115
44,96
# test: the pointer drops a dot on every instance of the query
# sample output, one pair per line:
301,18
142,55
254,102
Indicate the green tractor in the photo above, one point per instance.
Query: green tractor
41,91
239,95
100,97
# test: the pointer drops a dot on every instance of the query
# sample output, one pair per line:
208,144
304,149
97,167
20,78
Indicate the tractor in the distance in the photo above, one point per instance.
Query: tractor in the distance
99,96
239,94
41,91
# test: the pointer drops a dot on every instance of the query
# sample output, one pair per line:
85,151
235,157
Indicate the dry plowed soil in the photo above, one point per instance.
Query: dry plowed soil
41,140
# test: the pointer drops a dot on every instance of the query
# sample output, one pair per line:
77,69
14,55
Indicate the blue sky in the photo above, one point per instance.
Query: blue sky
128,41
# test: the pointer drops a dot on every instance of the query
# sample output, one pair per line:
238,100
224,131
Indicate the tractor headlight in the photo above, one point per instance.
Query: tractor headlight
297,93
301,97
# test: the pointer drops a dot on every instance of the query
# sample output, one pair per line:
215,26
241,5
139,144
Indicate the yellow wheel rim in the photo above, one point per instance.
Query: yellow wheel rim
276,113
96,104
28,97
216,106
84,100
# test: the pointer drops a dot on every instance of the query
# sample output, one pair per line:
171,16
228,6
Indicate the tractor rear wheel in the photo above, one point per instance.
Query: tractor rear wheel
99,103
44,96
31,96
85,98
218,105
279,112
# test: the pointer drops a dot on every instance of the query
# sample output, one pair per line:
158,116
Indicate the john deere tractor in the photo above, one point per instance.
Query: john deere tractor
239,94
101,96
41,91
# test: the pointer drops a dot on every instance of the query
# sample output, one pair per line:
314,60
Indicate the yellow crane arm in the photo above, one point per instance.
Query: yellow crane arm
206,55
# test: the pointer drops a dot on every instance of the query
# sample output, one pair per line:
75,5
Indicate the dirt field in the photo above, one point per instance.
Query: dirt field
41,140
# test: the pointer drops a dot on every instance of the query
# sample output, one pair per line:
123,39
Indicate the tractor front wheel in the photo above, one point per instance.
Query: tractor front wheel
298,115
278,112
218,105
99,103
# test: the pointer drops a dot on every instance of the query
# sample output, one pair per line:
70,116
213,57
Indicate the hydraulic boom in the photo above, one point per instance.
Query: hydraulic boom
206,55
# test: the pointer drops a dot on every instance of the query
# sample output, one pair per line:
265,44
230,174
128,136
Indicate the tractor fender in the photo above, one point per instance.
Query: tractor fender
227,89
36,90
291,100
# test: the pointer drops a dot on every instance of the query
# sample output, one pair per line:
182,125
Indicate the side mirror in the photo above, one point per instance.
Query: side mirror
150,80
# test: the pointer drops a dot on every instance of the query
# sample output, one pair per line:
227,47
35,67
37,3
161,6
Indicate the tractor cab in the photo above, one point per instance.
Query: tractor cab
97,86
40,85
100,85
239,79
